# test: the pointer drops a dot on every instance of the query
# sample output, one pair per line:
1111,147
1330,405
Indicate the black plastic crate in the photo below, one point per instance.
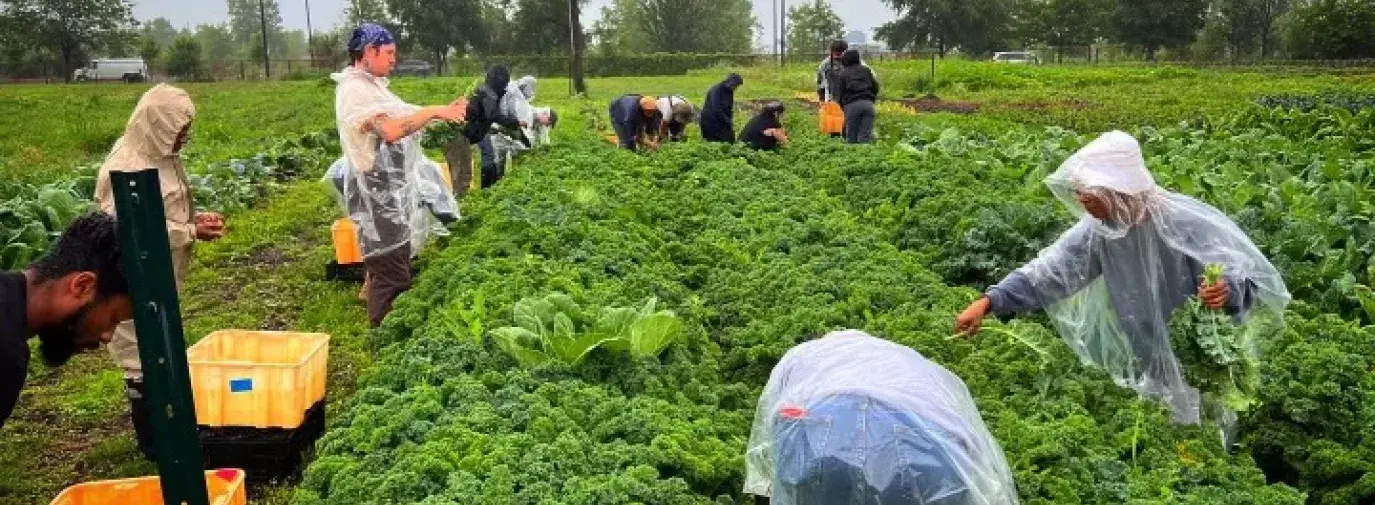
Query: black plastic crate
352,272
265,454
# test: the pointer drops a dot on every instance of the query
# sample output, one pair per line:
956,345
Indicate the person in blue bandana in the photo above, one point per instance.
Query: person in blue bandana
389,182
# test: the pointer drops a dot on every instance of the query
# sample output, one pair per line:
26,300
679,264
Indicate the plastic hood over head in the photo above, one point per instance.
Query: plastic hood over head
527,86
1112,285
850,419
149,141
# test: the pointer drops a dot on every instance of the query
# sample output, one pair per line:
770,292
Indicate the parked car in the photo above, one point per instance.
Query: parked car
1016,58
414,67
113,69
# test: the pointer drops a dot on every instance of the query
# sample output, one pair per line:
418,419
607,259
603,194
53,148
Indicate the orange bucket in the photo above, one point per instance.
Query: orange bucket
832,118
346,248
226,487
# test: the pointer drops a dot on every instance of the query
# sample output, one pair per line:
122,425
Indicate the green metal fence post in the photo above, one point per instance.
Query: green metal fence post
161,346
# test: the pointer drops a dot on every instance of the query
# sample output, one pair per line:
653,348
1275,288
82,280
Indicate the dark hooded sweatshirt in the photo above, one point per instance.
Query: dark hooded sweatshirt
856,81
484,107
629,118
753,134
718,112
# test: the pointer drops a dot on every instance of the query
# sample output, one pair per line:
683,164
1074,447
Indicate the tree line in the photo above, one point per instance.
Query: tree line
1188,29
41,37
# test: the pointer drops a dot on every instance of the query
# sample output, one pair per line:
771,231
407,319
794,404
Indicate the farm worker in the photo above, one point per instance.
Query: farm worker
829,69
856,89
765,131
854,419
1111,282
72,298
485,109
531,127
677,113
718,111
153,138
636,121
387,171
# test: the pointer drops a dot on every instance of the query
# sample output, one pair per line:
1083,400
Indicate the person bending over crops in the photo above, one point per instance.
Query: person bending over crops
856,90
1113,281
829,69
765,131
524,128
386,170
72,299
718,111
677,113
854,419
153,138
636,121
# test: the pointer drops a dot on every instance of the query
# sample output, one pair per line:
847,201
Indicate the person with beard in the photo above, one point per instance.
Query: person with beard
72,298
718,111
153,138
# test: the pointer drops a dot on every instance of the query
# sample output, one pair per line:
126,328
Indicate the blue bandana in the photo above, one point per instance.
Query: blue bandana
369,34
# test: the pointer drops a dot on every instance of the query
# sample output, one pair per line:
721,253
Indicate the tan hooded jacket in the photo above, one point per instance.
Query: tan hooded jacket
148,142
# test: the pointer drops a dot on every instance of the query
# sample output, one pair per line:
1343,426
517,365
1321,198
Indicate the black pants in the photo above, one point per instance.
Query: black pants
859,122
139,414
713,131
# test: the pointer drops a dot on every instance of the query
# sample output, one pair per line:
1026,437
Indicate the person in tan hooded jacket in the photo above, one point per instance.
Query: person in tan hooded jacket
153,138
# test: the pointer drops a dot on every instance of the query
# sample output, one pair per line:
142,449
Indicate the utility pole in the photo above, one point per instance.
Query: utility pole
267,63
575,71
783,29
776,36
310,38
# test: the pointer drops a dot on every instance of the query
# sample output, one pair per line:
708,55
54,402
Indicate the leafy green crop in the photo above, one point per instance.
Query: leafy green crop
1216,354
555,328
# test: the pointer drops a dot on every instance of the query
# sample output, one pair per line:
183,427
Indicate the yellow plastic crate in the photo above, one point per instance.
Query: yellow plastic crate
226,487
260,379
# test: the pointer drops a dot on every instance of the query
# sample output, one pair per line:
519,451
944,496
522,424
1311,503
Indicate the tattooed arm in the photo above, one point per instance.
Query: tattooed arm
393,129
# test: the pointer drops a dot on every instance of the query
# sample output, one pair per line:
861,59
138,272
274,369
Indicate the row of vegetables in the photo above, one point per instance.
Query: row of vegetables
36,214
525,367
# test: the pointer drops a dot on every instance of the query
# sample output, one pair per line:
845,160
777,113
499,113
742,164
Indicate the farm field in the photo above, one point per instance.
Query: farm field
754,253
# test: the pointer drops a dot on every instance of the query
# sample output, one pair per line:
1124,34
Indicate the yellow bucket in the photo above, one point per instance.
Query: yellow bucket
259,379
226,487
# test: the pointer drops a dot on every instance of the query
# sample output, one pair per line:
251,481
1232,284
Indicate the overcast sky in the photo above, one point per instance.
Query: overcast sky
861,15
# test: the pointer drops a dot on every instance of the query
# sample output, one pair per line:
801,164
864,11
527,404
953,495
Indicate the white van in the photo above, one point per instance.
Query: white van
114,69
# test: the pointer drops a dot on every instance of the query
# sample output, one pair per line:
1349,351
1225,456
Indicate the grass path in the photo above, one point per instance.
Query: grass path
71,424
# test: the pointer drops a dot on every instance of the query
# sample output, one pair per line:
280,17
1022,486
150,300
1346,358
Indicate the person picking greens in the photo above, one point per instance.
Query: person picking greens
1113,281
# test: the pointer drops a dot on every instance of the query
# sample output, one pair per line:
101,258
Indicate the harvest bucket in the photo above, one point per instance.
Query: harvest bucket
226,487
832,118
346,248
259,379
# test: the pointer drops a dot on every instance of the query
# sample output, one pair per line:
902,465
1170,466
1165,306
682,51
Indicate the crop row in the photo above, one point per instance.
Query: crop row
755,253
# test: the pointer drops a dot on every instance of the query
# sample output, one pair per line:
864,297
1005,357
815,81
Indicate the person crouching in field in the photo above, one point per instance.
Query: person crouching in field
636,121
765,132
850,418
385,165
677,112
153,138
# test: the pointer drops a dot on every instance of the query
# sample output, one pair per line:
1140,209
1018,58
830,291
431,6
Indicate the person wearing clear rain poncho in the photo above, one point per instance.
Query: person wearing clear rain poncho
531,129
1113,281
851,419
387,183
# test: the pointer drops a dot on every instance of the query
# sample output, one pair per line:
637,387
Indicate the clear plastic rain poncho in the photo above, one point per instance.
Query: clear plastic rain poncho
851,419
516,103
1111,285
390,191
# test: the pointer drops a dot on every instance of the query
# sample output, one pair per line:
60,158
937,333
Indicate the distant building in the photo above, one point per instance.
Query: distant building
856,37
